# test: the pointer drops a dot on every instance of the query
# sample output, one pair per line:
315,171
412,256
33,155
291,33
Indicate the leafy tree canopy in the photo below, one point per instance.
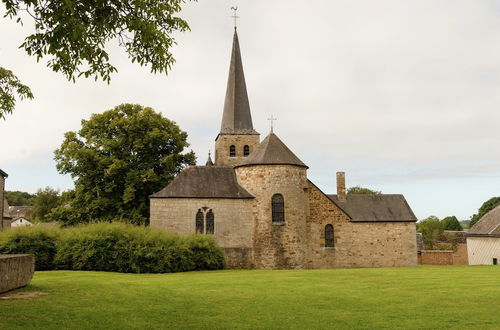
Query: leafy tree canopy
11,89
19,198
487,206
74,35
117,159
45,200
451,223
360,190
430,228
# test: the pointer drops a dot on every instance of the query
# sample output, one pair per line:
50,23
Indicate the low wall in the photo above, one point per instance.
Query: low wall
16,270
444,257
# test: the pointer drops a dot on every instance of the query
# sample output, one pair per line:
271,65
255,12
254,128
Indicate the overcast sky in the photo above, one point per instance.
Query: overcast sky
403,96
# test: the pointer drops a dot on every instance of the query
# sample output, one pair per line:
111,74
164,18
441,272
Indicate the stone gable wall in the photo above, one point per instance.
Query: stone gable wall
233,223
366,244
322,212
277,245
224,141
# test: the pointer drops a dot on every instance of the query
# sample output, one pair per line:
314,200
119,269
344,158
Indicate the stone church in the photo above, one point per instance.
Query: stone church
263,211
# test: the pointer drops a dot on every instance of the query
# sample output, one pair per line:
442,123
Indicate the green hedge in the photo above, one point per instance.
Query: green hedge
113,247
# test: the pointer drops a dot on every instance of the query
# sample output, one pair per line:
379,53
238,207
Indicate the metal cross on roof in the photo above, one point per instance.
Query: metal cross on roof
272,119
235,16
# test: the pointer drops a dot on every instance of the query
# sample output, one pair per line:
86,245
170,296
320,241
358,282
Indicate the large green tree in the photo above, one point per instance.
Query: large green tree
119,158
487,206
74,35
451,223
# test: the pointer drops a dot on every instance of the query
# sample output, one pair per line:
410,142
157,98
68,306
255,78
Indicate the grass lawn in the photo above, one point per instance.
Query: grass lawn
460,297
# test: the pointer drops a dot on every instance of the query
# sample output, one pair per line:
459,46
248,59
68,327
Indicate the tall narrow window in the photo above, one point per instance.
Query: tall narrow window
199,222
278,208
329,236
232,151
246,150
210,222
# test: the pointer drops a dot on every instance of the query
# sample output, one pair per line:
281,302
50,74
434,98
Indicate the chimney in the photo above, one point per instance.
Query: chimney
341,186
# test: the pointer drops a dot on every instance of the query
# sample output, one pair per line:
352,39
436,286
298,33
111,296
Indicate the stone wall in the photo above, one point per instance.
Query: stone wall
224,141
16,270
277,245
357,244
436,257
322,211
233,222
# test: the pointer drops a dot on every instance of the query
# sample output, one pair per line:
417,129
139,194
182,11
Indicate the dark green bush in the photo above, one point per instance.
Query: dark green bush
205,254
39,241
125,248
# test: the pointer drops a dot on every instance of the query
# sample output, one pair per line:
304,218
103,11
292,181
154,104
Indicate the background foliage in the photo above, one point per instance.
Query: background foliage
487,206
361,190
19,198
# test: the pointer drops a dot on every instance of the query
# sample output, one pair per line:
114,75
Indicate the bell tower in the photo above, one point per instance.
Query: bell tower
237,139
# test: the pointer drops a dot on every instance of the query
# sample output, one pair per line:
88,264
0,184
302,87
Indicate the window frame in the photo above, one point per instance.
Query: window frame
278,208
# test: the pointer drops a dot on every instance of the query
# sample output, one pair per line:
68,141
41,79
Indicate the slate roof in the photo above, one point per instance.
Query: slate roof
272,151
21,212
488,225
2,173
376,208
204,182
236,118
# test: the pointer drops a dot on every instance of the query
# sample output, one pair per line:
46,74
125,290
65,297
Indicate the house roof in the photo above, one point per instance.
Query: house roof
488,225
236,118
204,182
376,208
21,211
272,151
2,173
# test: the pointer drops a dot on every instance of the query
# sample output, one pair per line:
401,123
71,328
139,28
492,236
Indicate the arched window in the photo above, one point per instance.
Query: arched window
199,222
210,222
278,208
329,236
232,151
246,150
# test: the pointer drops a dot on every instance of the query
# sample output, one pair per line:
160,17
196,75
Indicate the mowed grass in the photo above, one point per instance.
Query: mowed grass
424,297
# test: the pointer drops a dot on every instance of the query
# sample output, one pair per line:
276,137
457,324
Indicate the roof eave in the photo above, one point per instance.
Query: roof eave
260,164
5,175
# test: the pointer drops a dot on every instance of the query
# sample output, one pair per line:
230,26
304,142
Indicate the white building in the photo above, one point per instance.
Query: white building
483,240
20,222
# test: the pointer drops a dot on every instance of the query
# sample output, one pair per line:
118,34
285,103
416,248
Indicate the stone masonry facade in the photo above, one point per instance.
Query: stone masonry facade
233,223
244,227
277,245
224,142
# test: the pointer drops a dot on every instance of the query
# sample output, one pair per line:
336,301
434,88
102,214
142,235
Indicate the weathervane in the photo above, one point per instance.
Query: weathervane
272,119
235,16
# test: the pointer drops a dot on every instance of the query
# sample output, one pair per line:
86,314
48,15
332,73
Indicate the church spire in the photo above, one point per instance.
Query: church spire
236,118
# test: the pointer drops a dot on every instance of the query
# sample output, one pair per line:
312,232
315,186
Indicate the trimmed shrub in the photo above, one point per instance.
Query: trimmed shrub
119,247
32,240
205,254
